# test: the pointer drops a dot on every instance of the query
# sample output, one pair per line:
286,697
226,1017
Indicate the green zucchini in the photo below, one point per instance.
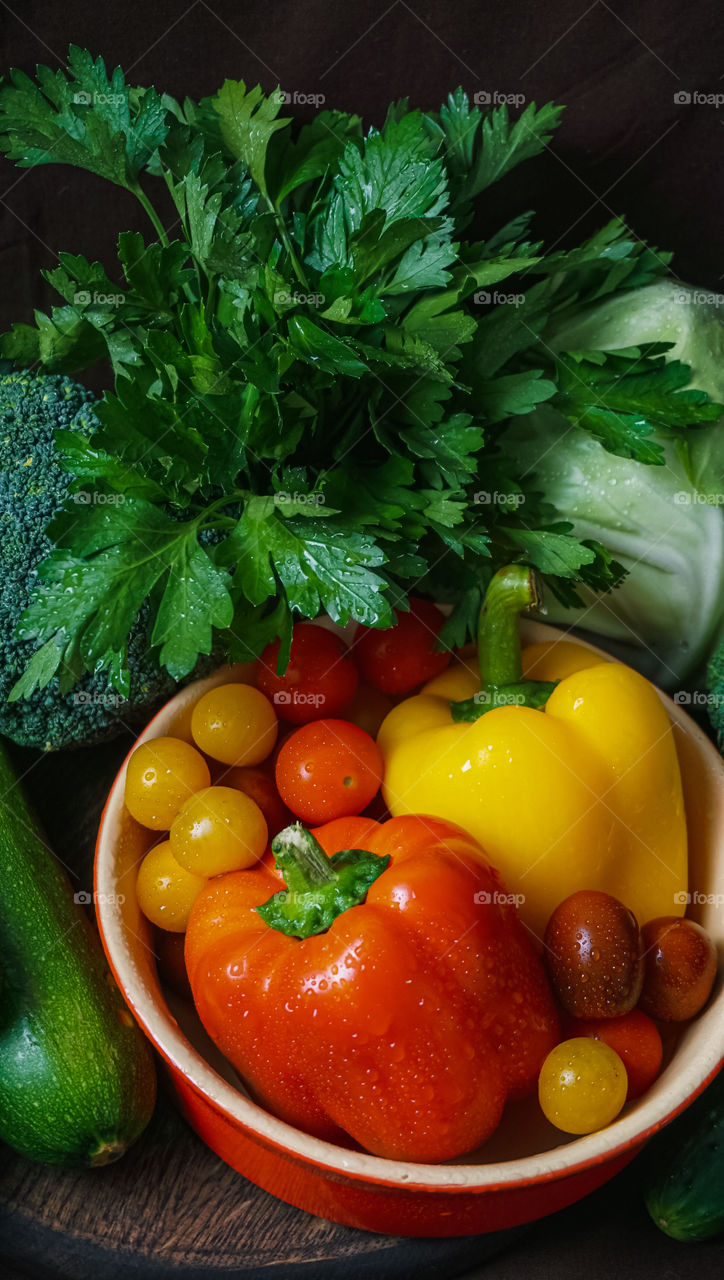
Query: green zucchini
684,1188
77,1078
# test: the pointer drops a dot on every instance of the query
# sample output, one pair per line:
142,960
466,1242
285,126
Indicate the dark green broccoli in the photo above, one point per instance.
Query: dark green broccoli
33,486
715,685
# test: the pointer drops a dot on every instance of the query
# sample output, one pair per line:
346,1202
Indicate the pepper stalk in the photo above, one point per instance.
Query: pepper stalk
318,888
512,591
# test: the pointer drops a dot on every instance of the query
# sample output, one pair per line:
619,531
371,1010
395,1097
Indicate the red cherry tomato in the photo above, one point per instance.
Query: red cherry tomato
634,1038
320,679
328,769
399,658
260,786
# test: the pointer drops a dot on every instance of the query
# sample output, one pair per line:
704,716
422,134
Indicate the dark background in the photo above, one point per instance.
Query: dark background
626,146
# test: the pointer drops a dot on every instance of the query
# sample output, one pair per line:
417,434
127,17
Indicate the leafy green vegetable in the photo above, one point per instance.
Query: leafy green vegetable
314,372
247,122
586,449
36,411
480,149
715,685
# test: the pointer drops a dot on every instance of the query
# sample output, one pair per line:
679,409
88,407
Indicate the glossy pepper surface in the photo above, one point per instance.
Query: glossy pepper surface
569,780
406,1021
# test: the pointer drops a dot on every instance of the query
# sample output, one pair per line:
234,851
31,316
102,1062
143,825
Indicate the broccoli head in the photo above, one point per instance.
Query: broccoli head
715,685
33,487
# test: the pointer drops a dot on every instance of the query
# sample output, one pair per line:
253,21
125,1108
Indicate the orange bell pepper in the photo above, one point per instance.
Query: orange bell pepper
389,995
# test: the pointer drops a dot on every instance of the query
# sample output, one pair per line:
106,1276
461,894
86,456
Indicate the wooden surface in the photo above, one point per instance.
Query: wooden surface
170,1207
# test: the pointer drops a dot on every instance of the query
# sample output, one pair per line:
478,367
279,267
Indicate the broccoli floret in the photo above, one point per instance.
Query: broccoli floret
33,487
715,685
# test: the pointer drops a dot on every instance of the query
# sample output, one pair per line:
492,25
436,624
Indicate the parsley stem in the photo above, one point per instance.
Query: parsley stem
284,237
209,518
221,522
158,225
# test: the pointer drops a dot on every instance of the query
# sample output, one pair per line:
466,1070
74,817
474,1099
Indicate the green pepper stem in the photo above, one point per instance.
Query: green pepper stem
301,859
511,591
318,888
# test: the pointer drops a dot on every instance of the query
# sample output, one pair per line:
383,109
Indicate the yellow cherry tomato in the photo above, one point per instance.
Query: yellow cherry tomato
219,829
180,726
160,777
235,723
166,892
582,1085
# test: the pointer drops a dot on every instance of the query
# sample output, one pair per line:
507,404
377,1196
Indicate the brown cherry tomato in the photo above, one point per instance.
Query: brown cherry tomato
680,967
593,955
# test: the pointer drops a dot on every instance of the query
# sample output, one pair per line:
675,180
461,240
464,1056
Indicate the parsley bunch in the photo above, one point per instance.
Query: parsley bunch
313,369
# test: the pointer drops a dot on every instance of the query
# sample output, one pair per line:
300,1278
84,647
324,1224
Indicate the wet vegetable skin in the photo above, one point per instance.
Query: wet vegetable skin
406,1018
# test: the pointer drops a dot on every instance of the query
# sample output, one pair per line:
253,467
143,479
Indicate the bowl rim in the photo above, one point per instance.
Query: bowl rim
629,1132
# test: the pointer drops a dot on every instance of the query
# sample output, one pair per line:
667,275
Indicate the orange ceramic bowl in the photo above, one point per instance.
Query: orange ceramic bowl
526,1170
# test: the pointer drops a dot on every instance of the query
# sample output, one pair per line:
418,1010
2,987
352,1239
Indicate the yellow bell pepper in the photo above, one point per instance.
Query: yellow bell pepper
560,763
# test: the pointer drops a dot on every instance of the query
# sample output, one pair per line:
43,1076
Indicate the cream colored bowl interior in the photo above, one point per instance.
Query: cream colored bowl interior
525,1146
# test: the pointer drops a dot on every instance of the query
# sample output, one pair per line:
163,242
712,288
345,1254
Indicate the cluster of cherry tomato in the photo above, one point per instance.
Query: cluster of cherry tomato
250,758
614,983
253,757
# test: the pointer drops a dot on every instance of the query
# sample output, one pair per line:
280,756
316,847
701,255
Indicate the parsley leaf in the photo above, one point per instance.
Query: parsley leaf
248,120
480,149
622,397
83,118
196,600
393,171
552,550
313,372
318,564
